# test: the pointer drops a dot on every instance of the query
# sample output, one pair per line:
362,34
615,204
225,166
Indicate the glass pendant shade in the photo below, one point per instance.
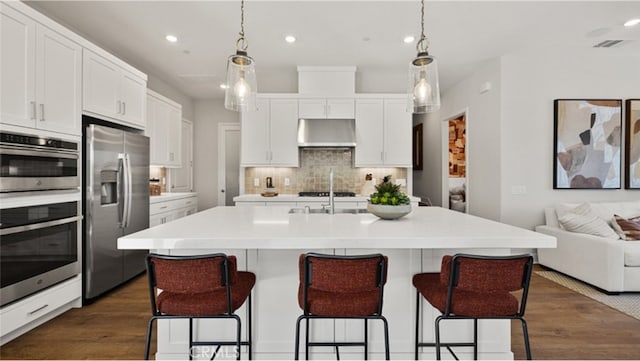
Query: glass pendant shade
240,93
423,90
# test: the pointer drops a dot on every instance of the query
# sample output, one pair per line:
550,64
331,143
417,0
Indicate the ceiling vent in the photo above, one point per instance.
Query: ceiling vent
609,43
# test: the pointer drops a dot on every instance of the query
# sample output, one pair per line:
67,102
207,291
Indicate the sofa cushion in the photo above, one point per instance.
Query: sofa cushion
628,229
606,210
582,219
631,254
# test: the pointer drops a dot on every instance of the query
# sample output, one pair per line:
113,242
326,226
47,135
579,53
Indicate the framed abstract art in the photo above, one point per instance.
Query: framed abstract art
632,145
587,143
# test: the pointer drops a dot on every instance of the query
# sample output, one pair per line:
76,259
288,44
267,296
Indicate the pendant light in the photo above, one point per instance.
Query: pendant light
424,91
241,85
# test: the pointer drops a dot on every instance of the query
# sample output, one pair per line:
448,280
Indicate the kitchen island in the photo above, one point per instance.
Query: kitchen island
268,241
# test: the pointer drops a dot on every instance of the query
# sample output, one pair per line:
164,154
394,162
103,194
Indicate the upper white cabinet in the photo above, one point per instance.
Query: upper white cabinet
326,108
112,91
269,135
383,133
164,128
182,178
41,75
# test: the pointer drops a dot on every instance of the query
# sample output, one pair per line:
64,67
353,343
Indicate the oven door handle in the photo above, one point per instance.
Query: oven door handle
37,153
31,227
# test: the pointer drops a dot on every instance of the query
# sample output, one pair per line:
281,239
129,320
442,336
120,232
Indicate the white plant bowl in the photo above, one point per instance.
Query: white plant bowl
389,212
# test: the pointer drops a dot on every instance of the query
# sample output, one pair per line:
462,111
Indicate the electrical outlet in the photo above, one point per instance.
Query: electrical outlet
518,190
287,182
401,182
256,182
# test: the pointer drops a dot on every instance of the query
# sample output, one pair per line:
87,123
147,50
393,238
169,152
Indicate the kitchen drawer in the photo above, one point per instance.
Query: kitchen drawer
171,205
250,204
349,205
34,307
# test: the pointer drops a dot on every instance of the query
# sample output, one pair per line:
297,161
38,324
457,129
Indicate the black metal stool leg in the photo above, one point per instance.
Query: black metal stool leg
306,342
297,346
190,338
438,356
387,354
525,332
366,339
249,329
238,338
417,323
148,344
475,338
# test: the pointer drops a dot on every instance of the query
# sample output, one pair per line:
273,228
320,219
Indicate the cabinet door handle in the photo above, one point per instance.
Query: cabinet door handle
382,156
163,207
38,309
41,112
124,108
328,110
119,107
33,110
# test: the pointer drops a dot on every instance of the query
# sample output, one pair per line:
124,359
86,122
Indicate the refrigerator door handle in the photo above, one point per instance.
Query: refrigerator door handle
128,188
122,190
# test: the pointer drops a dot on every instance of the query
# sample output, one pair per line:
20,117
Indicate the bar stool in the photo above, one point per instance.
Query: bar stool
475,287
341,287
204,286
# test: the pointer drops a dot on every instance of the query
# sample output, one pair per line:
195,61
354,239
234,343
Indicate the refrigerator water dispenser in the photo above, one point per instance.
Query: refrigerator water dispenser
108,187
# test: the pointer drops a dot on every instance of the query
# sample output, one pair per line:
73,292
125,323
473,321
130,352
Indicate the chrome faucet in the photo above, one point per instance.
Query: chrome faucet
331,201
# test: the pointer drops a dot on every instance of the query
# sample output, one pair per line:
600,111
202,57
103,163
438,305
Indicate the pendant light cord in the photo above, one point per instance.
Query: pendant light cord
241,44
422,44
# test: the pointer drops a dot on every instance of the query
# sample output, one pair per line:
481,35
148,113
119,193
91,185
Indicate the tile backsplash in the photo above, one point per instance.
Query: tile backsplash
313,173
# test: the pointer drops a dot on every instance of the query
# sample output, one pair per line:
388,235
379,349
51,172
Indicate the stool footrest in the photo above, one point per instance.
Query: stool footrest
445,344
221,343
337,344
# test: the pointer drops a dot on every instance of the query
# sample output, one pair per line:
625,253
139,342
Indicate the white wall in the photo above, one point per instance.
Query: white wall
427,183
531,81
207,115
483,138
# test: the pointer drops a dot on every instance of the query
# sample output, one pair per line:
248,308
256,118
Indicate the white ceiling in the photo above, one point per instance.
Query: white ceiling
367,34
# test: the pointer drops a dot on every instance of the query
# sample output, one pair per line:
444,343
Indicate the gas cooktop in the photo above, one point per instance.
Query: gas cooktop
326,194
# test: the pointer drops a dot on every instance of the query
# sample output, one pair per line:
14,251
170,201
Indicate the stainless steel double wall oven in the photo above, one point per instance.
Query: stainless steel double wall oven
41,219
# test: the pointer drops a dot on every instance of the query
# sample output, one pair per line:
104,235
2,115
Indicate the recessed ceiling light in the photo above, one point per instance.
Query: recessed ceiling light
290,39
632,22
409,39
223,86
171,38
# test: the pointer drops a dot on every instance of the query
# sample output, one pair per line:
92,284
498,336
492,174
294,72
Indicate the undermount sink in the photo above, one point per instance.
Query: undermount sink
326,211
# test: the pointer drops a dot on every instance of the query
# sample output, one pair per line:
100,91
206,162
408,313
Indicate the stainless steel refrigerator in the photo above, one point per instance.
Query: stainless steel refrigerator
116,183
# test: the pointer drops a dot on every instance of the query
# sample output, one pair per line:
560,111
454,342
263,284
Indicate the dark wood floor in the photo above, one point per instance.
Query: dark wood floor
562,325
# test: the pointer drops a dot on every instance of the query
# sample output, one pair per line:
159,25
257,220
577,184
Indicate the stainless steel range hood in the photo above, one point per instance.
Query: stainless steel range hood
328,133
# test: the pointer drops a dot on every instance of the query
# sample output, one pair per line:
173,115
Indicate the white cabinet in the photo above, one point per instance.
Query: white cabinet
326,108
182,178
164,128
165,211
41,75
112,91
269,135
383,133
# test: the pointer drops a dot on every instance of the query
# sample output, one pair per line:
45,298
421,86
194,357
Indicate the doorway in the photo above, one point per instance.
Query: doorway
228,163
456,182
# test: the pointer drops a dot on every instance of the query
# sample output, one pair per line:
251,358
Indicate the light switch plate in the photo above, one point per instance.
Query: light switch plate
287,182
518,190
256,182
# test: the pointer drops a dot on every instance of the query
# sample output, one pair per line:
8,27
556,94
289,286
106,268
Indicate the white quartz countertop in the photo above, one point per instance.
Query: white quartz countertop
297,198
171,196
274,228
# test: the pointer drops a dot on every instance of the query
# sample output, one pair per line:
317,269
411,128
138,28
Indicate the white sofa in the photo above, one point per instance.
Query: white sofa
612,265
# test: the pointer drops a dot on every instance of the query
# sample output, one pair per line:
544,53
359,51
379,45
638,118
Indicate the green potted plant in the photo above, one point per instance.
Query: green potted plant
389,202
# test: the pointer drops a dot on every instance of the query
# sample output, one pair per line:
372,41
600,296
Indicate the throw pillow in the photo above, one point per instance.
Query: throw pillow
628,229
582,219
